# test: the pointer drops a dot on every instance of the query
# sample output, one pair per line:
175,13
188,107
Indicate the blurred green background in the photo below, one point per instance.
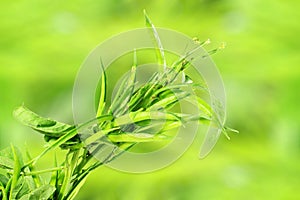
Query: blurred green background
43,43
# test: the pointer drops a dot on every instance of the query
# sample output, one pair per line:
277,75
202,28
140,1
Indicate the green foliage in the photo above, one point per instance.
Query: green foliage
19,182
132,118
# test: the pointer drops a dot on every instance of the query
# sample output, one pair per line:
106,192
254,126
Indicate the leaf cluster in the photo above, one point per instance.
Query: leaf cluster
136,115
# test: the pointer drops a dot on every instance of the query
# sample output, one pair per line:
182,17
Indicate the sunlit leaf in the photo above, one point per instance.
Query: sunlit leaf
136,138
159,48
102,97
18,163
43,125
43,192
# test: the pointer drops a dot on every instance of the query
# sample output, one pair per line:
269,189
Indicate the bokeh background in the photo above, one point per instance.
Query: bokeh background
43,43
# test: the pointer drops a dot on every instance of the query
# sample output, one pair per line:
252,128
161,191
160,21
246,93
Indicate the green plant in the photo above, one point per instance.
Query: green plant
113,124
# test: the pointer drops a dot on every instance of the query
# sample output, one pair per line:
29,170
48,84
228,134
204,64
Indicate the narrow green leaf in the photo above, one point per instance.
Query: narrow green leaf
99,134
134,117
194,117
124,94
8,186
136,138
151,128
203,106
168,102
17,169
134,58
3,194
36,178
119,98
72,194
169,89
69,167
170,126
138,97
102,97
159,48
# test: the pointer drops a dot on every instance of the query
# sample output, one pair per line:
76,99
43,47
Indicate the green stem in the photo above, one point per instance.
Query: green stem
16,172
8,185
43,171
4,195
86,157
68,174
36,178
78,181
